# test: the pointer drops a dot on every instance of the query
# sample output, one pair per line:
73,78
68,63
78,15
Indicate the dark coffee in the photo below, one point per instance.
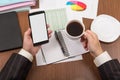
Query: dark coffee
74,28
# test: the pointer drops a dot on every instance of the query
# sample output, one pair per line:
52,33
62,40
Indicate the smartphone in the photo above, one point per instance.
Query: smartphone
38,27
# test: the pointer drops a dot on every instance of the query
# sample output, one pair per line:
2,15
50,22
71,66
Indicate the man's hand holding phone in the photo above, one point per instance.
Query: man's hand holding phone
38,25
28,43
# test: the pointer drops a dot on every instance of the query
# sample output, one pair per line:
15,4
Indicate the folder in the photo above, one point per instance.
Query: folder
17,5
8,2
10,32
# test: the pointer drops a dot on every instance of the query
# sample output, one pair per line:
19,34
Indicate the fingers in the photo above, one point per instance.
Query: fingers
91,34
84,42
83,38
49,33
90,39
48,25
28,32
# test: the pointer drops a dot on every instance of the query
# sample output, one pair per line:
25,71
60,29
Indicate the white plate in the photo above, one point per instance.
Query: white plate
106,27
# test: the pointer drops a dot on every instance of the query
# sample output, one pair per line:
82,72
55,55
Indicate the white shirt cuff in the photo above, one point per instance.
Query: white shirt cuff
26,54
102,58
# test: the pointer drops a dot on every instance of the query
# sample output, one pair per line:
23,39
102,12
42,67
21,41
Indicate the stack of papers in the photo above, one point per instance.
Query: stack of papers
8,5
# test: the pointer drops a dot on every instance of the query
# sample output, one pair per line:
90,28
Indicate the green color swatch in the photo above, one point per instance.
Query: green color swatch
56,18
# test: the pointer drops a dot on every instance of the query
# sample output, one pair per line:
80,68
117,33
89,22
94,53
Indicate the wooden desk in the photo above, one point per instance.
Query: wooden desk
78,70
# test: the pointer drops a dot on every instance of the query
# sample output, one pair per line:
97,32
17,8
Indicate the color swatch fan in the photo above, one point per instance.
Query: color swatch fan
77,5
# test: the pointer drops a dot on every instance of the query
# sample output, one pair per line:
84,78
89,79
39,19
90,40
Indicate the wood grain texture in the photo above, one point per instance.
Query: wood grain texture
77,70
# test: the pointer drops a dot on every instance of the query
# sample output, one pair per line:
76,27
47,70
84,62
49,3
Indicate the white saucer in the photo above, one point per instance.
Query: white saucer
106,27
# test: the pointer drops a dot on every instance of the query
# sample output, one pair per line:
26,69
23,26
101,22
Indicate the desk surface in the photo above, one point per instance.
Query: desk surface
78,70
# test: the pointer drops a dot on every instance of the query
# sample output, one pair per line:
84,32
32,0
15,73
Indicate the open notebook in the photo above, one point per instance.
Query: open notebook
52,52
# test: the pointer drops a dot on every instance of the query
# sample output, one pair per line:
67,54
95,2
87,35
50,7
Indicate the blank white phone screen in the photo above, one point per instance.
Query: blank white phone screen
38,27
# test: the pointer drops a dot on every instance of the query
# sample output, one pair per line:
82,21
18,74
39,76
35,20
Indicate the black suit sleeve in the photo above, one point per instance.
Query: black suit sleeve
110,70
16,68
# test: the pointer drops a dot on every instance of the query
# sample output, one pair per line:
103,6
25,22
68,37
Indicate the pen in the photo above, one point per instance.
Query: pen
60,39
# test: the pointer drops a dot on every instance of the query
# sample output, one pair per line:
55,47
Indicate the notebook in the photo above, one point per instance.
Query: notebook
70,47
53,51
10,33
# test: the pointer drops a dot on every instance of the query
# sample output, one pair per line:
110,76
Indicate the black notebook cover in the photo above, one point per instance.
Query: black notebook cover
10,33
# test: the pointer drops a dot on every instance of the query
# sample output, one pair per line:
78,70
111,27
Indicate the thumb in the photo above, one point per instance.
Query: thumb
88,35
28,32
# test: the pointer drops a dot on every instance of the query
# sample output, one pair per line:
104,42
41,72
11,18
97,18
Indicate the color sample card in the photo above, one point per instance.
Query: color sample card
56,18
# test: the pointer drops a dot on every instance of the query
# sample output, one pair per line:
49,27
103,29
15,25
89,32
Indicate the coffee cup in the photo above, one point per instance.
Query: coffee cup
75,29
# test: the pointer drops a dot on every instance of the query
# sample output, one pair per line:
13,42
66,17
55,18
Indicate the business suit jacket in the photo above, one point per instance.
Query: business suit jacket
16,68
110,70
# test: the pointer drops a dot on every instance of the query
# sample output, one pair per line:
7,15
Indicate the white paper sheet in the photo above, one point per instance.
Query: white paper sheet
40,59
90,12
76,58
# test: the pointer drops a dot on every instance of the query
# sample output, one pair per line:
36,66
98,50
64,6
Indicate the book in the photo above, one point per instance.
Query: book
10,32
